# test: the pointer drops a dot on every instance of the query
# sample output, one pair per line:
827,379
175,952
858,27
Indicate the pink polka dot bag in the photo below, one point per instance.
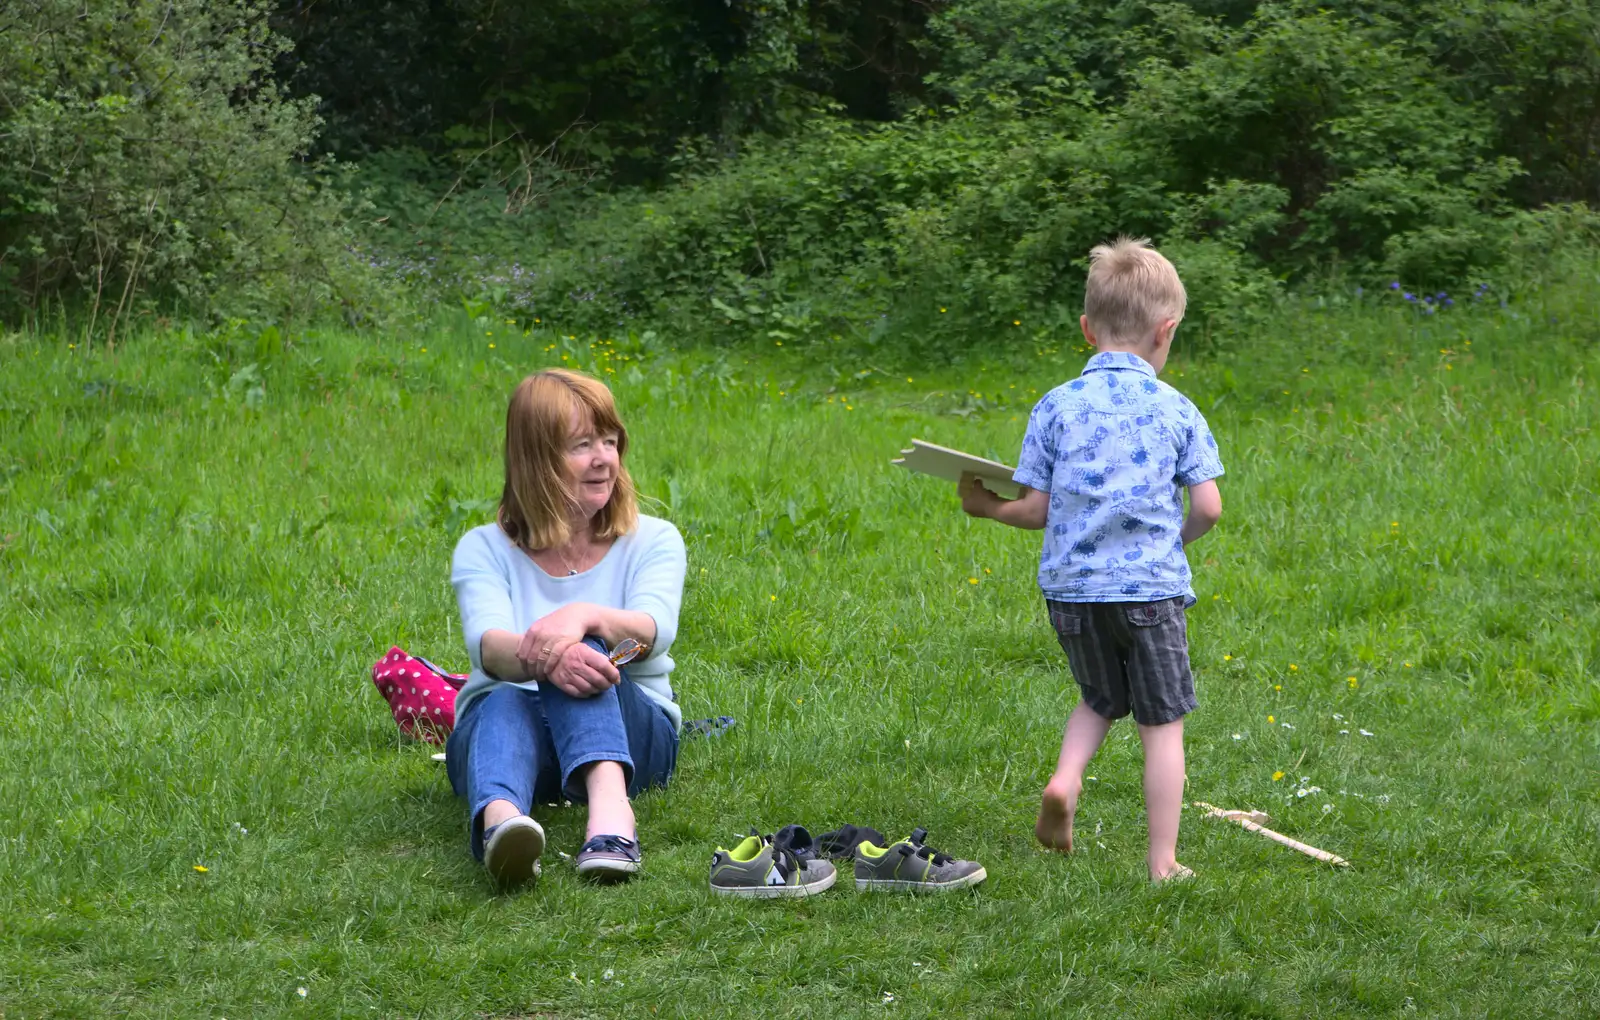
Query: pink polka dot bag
421,696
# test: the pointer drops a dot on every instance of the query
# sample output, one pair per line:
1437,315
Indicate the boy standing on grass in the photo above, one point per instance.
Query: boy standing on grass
1101,465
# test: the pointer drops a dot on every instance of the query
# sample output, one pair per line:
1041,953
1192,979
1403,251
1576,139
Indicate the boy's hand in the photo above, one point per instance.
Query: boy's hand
1030,510
976,501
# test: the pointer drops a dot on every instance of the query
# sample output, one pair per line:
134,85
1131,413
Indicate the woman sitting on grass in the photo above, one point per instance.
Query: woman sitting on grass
569,570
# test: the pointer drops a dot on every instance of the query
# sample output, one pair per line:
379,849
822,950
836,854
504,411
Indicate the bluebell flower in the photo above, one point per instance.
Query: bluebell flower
1395,285
1410,296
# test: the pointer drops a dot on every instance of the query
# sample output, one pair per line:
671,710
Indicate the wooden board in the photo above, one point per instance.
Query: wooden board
943,462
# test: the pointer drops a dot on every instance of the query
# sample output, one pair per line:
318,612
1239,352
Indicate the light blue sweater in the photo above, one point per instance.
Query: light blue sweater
499,587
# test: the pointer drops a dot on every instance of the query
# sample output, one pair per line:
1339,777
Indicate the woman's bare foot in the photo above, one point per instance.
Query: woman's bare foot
497,811
1056,808
1170,872
610,813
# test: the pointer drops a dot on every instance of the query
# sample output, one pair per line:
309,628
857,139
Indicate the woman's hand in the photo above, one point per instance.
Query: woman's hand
544,643
582,672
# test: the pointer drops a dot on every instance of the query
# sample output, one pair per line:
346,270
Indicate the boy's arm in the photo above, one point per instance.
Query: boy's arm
1029,511
1205,509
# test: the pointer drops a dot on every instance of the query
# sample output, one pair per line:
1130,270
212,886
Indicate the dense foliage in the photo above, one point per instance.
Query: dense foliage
882,166
615,83
1258,142
145,144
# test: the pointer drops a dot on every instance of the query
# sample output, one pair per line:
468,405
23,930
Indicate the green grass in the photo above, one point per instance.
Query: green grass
201,560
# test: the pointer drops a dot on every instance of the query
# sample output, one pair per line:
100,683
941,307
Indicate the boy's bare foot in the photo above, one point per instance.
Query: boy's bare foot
1056,808
1174,872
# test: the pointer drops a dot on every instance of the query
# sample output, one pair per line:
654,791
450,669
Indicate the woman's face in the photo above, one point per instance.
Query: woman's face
593,461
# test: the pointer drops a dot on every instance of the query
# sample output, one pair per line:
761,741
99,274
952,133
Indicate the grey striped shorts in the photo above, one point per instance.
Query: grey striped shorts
1128,655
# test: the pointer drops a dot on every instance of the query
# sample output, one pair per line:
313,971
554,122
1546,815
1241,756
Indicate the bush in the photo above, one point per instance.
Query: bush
148,157
1259,144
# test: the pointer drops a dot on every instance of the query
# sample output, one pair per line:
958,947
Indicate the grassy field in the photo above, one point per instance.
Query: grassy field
205,541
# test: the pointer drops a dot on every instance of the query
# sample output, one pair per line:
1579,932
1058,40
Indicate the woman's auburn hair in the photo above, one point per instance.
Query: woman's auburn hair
539,495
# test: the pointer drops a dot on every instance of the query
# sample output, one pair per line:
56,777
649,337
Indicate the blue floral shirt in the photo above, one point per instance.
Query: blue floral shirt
1112,448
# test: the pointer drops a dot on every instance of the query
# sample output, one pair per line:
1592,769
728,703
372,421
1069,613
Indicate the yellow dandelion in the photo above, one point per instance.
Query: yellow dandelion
424,350
773,597
972,580
1227,658
909,379
491,347
1353,682
1293,668
201,868
1407,665
1270,719
986,570
1277,687
941,311
1016,322
1277,776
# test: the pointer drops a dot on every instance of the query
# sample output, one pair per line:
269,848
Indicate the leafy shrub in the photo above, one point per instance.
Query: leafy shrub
148,154
1259,144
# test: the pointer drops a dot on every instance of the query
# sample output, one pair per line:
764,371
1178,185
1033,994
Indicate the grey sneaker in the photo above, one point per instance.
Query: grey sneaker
757,869
609,857
912,866
511,850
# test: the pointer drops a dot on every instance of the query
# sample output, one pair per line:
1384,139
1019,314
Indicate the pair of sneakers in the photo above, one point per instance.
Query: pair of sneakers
789,864
511,852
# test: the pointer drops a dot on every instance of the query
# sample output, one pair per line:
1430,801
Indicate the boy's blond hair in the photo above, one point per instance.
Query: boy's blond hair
1132,289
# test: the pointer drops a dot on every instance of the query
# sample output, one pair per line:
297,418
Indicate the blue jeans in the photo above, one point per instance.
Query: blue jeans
524,746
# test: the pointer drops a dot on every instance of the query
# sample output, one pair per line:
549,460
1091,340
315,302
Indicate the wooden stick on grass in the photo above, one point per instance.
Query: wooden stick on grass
1252,820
